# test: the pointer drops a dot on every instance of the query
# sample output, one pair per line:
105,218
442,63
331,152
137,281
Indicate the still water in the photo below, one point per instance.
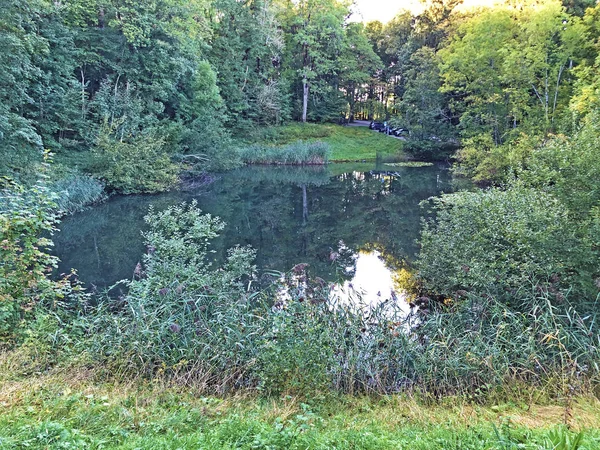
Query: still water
352,223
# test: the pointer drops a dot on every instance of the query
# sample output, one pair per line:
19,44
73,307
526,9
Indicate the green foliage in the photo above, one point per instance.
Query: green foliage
510,276
26,218
179,312
134,65
499,239
569,168
35,310
314,32
138,165
519,281
200,72
561,439
422,110
510,73
20,145
358,63
482,160
246,50
298,153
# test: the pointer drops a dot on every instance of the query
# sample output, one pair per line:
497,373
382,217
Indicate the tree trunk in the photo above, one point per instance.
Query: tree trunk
352,104
304,98
101,19
304,205
370,103
82,94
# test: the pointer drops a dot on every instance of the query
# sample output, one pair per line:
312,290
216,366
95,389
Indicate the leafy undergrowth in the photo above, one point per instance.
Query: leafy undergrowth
346,143
73,411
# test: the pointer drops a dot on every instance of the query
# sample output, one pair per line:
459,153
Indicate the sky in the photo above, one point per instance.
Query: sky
384,10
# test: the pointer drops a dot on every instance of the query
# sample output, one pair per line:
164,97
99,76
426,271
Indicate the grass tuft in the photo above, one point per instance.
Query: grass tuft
296,153
76,192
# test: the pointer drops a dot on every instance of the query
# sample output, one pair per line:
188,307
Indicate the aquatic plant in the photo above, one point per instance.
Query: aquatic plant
76,191
296,153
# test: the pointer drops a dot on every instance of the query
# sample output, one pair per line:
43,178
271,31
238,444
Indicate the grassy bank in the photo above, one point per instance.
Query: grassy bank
346,143
71,410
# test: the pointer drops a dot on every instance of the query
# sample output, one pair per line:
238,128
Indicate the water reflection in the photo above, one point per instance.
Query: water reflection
290,215
372,284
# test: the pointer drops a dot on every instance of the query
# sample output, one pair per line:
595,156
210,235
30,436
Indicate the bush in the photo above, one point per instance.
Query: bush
483,161
569,168
499,239
35,310
180,314
297,153
26,218
140,165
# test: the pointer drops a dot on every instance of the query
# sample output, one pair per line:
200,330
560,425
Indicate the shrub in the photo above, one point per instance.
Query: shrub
569,168
499,239
140,165
25,221
483,161
29,299
180,314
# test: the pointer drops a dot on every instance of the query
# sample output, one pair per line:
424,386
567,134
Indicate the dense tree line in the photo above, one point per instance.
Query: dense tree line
134,91
128,88
493,82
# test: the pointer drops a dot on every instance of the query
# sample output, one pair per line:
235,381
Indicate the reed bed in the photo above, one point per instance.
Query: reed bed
296,153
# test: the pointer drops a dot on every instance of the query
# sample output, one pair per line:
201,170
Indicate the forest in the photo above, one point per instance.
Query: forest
485,210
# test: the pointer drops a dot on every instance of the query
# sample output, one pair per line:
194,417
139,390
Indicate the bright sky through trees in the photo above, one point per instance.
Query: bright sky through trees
384,10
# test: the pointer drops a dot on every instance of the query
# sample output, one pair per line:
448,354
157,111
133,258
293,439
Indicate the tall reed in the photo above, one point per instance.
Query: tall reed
296,153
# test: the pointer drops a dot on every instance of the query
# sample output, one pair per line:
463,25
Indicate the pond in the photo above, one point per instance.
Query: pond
352,223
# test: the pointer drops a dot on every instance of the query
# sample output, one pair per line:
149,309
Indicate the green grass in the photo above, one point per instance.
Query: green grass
346,143
75,411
